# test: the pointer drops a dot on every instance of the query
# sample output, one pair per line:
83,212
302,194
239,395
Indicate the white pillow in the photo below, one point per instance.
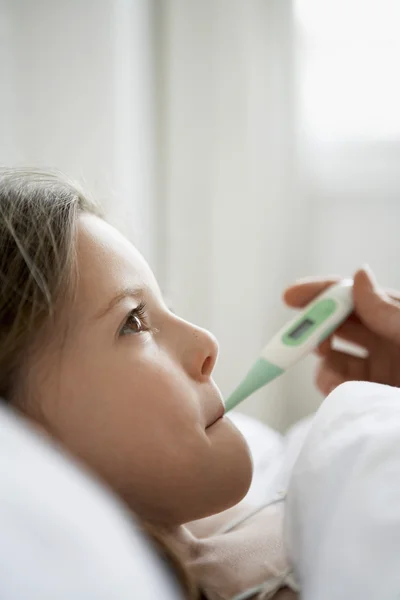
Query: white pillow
267,448
62,535
343,505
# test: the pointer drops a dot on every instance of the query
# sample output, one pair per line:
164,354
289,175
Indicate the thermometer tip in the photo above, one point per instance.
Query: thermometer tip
261,373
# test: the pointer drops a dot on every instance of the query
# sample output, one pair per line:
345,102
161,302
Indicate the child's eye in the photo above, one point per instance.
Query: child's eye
136,321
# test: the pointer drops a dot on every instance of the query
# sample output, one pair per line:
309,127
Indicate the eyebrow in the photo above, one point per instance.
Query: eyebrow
130,292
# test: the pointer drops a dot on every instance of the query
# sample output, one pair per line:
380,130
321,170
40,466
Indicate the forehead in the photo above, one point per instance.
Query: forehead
107,262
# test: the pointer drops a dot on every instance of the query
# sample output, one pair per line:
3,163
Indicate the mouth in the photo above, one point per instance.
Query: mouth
219,413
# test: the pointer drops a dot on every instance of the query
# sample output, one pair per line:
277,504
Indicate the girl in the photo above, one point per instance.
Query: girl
90,353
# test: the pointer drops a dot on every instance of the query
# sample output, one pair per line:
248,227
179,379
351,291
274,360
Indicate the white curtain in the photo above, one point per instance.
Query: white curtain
77,94
229,177
348,140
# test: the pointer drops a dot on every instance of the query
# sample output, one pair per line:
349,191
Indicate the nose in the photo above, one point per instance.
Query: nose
200,353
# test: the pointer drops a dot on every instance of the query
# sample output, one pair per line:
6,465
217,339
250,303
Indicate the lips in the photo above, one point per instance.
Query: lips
219,413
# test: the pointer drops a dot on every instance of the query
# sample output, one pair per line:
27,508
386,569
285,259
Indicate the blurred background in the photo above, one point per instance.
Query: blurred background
240,144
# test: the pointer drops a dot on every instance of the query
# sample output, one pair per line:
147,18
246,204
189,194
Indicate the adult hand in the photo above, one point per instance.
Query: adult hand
374,325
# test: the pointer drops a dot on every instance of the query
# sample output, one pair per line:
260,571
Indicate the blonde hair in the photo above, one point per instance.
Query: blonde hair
38,221
38,216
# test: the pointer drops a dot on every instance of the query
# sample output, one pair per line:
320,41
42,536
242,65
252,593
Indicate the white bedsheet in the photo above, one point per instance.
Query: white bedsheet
273,455
343,505
342,472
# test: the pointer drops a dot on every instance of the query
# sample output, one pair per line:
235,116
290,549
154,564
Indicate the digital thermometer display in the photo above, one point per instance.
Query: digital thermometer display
319,319
300,329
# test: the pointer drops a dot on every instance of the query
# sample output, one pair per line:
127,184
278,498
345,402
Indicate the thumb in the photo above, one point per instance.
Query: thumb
374,308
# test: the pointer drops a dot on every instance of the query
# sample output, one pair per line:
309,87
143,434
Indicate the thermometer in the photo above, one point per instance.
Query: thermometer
299,337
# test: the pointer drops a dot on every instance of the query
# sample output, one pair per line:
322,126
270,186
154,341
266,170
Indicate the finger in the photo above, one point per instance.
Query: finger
338,367
379,312
357,333
327,380
324,347
305,290
345,365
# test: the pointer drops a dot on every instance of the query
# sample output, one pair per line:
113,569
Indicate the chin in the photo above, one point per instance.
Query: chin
219,477
233,463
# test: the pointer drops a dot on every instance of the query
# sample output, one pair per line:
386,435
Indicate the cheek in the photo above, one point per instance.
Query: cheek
122,413
136,420
123,379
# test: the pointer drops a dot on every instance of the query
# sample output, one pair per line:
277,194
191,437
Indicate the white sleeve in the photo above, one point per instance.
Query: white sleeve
343,507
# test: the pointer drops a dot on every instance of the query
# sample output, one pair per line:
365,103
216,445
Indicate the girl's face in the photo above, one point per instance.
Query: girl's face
129,390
